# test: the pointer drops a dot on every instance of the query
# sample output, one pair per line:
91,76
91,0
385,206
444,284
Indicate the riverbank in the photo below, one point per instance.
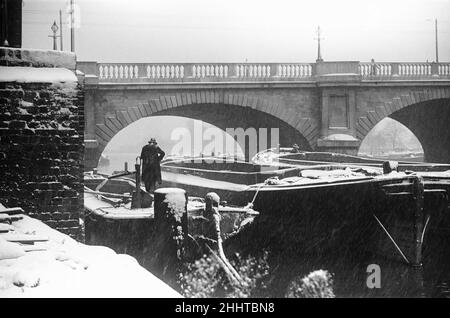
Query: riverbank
38,261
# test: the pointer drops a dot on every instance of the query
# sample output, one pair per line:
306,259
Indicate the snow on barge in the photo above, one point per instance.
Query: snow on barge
229,177
292,157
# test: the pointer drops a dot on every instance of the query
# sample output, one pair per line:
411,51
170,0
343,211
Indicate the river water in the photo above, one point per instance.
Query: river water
351,267
116,162
352,277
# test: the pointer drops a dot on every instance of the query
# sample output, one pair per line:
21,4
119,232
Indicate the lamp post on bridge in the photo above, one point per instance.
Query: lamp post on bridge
319,54
435,38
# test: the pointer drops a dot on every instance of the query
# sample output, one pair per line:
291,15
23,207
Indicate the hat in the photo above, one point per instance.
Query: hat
152,140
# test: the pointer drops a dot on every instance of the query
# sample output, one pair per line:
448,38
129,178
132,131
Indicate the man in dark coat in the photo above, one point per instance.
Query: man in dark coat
151,156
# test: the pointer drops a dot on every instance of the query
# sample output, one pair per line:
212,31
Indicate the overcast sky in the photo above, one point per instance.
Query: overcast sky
239,30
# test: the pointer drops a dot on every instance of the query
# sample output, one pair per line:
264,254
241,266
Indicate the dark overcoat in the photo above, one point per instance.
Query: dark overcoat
151,156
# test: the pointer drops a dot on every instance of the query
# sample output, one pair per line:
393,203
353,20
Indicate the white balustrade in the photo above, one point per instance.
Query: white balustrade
118,72
375,69
444,69
209,71
252,71
404,70
294,70
123,72
414,69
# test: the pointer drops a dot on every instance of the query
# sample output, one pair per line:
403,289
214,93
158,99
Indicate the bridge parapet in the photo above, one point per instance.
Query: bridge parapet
260,72
395,70
197,72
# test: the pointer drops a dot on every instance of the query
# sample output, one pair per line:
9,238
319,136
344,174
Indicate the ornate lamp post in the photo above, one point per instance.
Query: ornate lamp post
54,36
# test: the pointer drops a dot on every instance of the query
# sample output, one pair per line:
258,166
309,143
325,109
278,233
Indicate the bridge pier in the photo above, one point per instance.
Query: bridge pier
338,83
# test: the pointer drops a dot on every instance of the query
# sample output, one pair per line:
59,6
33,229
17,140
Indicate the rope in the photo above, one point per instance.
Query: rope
424,229
390,237
193,239
87,190
229,270
257,191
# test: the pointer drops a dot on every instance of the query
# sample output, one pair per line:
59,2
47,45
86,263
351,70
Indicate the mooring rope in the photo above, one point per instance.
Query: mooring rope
424,229
229,270
390,237
257,191
101,184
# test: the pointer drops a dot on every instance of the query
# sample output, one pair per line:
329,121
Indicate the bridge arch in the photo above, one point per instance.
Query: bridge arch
207,106
426,113
391,137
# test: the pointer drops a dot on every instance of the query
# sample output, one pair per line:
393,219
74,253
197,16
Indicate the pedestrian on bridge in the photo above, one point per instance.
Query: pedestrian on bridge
151,156
373,68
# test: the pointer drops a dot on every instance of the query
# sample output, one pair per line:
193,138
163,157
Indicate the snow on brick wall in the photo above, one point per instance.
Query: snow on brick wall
41,150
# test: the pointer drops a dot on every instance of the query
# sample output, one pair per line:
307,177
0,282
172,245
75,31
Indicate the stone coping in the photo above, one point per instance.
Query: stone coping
37,58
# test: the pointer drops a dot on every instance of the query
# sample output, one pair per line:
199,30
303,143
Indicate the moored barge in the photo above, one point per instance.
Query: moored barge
316,202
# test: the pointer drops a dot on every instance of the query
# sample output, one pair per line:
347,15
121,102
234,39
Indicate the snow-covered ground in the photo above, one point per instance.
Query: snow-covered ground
36,75
67,268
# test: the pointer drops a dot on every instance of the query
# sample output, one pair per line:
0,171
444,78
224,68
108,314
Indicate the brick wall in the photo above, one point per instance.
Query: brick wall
41,151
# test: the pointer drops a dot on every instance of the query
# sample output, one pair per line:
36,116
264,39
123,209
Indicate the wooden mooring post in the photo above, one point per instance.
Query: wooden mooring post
418,195
171,228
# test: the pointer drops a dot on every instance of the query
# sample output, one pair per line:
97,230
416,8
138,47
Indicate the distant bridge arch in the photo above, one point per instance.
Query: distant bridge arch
426,113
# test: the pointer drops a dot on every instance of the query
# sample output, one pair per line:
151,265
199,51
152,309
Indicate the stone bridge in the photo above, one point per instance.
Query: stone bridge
324,106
